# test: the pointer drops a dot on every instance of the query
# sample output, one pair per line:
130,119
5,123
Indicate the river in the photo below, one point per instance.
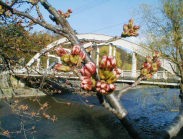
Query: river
150,109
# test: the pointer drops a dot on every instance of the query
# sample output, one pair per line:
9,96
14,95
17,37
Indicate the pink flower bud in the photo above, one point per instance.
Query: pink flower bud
60,12
69,10
149,76
61,51
98,89
76,50
136,27
158,62
108,62
85,72
103,85
149,59
63,68
112,86
82,55
102,91
117,72
86,83
91,67
107,88
98,84
147,65
103,62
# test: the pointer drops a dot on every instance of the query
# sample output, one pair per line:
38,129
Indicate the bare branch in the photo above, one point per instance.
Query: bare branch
43,24
129,87
39,13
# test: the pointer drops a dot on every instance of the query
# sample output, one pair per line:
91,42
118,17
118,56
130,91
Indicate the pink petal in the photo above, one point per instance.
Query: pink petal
98,84
76,49
91,67
112,86
103,85
61,51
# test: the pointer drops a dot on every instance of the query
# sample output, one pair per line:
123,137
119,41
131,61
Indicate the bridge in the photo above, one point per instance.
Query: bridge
34,67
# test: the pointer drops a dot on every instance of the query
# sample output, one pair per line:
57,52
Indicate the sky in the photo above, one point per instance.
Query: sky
101,16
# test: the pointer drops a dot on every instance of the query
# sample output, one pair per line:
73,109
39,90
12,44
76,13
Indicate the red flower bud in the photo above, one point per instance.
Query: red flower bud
63,68
86,83
82,55
149,59
98,84
61,51
107,88
147,65
112,86
91,67
60,12
103,85
76,50
108,62
149,76
69,10
158,62
103,91
85,72
136,27
117,72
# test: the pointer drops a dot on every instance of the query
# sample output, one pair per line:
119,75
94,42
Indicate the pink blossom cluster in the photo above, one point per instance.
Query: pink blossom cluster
108,74
108,62
87,71
151,65
104,88
74,58
66,14
130,29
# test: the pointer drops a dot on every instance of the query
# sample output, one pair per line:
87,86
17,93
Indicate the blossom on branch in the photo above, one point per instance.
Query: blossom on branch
130,29
61,51
89,69
108,62
62,68
66,14
87,83
151,65
104,88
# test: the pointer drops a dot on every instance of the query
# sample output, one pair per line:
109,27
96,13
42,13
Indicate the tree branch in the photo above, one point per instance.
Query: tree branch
129,87
41,23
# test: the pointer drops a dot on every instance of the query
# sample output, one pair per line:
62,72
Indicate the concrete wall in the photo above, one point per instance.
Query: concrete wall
10,86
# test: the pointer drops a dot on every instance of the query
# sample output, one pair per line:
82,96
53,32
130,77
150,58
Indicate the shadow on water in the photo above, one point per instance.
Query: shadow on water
76,121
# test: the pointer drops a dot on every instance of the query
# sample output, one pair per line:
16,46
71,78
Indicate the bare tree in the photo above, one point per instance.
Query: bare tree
164,26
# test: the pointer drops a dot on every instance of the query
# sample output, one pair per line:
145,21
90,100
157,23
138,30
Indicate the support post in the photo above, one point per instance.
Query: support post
114,51
97,58
134,65
38,64
47,63
110,50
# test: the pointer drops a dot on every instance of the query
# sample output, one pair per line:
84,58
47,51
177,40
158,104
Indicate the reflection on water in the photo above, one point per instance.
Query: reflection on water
74,122
150,110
